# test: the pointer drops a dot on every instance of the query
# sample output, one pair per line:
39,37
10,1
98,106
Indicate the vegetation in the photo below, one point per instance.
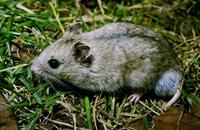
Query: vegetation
28,26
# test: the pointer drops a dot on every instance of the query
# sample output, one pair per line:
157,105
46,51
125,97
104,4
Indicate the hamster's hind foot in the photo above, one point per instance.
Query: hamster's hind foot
173,99
135,97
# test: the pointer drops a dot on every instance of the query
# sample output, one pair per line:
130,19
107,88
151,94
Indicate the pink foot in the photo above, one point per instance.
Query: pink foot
135,97
173,99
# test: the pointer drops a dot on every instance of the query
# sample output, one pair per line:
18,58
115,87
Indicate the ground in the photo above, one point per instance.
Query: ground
27,27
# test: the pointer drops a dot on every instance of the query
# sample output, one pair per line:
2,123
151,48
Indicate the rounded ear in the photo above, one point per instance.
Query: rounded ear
81,51
75,29
82,54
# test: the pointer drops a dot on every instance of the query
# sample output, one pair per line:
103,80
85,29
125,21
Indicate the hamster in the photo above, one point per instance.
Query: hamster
116,56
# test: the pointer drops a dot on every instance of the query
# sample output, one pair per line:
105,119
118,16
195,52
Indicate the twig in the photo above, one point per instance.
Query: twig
94,112
61,123
139,6
65,124
149,108
57,17
78,4
66,105
100,6
20,6
179,119
13,67
74,120
157,106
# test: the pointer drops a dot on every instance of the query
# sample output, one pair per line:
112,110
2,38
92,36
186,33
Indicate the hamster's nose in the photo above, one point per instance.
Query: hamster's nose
33,68
36,69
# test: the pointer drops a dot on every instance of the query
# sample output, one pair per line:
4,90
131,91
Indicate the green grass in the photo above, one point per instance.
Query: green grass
23,35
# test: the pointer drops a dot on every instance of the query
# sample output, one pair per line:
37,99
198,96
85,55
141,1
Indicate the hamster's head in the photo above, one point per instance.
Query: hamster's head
67,59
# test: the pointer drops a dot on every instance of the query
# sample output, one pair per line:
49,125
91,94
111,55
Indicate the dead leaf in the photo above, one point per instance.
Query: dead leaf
196,111
137,124
176,119
23,54
168,120
189,122
7,118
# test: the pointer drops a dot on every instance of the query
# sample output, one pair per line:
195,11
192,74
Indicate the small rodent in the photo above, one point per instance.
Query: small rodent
111,57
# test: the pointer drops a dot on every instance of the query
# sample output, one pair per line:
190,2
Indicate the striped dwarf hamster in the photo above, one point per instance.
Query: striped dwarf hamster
114,56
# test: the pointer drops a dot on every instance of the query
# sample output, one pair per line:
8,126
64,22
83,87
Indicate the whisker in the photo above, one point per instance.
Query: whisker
53,79
49,81
58,82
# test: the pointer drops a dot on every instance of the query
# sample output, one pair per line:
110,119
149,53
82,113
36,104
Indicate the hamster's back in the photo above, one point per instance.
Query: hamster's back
132,52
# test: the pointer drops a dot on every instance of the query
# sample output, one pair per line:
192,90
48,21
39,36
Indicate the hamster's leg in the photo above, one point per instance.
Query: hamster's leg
135,96
174,98
170,84
136,84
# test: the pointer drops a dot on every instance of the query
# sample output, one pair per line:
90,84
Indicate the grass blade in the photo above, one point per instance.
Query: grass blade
88,112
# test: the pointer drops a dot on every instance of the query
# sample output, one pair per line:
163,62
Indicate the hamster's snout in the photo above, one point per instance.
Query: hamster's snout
37,69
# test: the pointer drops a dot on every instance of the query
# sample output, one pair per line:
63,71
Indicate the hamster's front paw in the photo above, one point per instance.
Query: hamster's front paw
135,97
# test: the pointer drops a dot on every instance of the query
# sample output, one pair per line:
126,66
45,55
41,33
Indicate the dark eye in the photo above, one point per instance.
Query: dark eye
53,63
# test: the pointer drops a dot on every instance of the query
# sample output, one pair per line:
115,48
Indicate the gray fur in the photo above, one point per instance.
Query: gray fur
124,55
